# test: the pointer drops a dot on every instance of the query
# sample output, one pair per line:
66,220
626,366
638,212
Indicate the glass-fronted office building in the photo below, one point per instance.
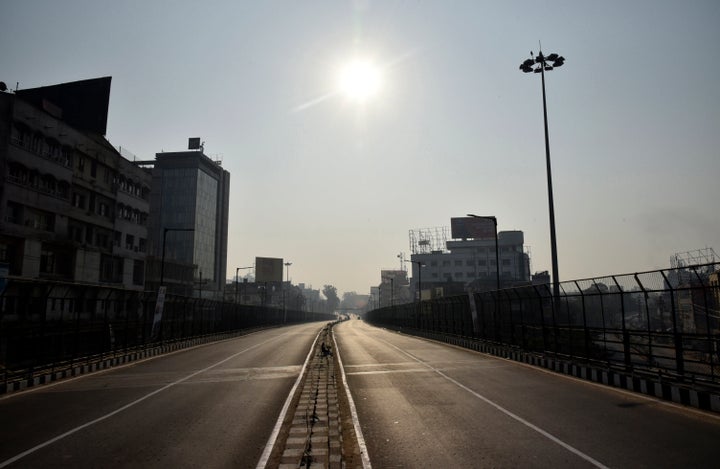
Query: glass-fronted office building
189,213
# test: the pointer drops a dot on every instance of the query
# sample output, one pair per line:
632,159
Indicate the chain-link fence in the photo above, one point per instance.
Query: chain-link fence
48,326
665,321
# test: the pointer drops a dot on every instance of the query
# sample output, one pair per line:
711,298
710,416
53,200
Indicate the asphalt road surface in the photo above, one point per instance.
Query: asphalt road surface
209,406
426,404
419,404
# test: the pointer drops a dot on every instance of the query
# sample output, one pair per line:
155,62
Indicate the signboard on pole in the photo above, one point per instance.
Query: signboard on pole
472,228
268,269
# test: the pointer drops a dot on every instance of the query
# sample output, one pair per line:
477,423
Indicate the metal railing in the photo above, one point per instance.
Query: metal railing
661,322
50,326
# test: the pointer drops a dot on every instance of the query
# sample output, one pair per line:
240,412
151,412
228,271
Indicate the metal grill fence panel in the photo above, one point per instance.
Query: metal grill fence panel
49,326
660,322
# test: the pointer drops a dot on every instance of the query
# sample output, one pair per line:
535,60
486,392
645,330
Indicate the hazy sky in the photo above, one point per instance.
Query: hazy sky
334,186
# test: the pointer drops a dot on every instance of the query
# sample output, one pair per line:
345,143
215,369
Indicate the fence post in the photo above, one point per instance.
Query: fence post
677,337
647,317
543,329
602,317
625,333
586,332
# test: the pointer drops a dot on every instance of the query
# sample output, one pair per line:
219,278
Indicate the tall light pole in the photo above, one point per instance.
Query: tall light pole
497,250
540,64
162,262
287,265
420,265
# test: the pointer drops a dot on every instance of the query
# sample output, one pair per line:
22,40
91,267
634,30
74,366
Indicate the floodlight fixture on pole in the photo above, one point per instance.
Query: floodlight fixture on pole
541,64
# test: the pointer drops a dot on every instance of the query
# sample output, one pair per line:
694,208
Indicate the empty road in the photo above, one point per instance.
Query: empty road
425,404
419,404
209,406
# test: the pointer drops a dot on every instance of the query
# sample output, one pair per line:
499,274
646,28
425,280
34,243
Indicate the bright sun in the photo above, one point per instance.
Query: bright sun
359,80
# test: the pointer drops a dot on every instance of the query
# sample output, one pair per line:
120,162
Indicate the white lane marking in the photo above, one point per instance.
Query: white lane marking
129,364
510,414
265,457
378,364
384,372
353,412
127,406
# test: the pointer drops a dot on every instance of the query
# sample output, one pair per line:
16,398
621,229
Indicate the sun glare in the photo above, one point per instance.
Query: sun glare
359,80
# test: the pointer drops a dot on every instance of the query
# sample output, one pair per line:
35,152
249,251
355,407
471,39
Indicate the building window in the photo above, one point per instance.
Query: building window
81,163
102,240
36,144
75,233
142,244
103,209
47,261
482,262
117,238
66,156
17,173
506,262
138,273
469,262
458,262
446,263
433,263
129,241
78,200
18,135
93,168
14,213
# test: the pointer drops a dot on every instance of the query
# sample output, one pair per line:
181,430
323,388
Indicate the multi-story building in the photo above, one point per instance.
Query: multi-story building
464,260
394,287
71,207
189,218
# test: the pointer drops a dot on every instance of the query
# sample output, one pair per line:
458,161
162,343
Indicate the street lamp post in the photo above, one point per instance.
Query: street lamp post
419,289
287,264
419,285
162,262
497,251
237,273
540,64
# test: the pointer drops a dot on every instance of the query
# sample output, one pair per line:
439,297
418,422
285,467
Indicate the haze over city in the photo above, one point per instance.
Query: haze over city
435,120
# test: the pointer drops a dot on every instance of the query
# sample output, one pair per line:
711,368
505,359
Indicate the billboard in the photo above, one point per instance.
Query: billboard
472,228
268,269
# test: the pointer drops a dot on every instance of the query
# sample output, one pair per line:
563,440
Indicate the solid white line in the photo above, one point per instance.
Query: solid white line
544,433
127,406
265,457
353,411
384,372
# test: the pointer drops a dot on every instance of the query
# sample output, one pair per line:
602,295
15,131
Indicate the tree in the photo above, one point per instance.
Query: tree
333,301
